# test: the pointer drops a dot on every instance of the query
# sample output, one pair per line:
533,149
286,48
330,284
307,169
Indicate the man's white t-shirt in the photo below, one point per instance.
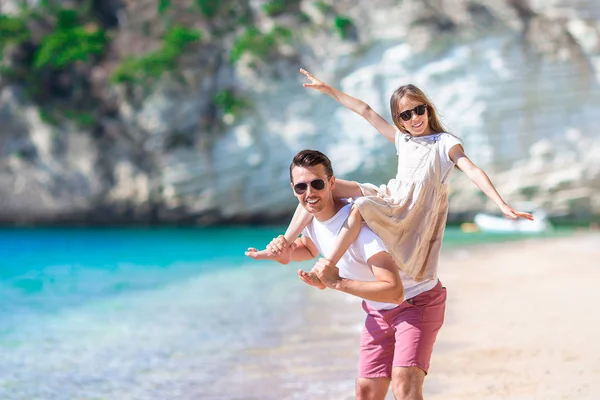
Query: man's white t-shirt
353,264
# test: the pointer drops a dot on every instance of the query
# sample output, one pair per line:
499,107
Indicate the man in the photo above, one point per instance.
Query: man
398,336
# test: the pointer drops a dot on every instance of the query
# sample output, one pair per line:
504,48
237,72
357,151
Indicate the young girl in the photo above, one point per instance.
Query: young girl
410,212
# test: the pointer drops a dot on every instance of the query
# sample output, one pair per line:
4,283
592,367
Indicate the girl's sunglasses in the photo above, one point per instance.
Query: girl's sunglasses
407,115
317,184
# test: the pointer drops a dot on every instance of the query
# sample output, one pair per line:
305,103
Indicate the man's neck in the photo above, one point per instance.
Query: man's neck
330,211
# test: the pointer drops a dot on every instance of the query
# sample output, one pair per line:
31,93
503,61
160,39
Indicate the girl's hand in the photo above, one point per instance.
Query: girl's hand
511,213
314,82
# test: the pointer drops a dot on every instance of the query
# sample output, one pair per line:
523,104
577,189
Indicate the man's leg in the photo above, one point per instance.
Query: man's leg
407,383
371,388
416,327
375,357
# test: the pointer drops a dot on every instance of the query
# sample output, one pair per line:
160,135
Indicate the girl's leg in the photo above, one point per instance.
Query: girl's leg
299,221
348,234
346,189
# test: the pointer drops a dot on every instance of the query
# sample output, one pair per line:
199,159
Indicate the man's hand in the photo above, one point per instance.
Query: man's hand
310,278
327,272
277,245
284,256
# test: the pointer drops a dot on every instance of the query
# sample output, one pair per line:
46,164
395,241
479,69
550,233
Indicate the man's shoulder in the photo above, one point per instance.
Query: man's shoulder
366,237
366,231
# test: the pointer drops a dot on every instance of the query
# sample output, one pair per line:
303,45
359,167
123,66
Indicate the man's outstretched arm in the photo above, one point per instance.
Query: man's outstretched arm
301,249
387,288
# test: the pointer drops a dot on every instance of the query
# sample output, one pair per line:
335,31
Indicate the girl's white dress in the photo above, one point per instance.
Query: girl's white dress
410,212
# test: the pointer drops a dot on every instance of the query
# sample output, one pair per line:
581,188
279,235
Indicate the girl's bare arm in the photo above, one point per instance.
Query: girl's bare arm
483,182
358,106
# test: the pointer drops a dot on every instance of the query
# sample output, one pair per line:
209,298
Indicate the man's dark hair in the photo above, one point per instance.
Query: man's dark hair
310,158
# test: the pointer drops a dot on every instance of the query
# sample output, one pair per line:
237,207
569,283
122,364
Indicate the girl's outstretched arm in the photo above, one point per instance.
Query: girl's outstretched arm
483,182
358,106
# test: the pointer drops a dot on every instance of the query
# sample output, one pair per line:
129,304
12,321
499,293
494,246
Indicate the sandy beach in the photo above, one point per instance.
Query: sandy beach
521,323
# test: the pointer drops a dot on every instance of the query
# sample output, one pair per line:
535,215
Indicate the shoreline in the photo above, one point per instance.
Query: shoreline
519,325
167,218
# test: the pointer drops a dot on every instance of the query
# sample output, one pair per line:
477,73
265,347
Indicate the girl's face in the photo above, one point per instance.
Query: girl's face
417,125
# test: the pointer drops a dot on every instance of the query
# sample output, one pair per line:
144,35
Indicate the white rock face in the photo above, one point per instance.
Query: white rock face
519,85
47,172
528,115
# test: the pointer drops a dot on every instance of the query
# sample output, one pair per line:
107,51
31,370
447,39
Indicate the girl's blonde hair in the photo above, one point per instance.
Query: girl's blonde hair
417,95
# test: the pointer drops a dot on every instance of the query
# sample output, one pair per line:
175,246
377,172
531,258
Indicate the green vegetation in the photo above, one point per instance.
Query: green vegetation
155,64
210,8
323,7
163,6
13,30
81,118
303,17
51,39
54,114
257,43
47,116
230,103
275,7
69,42
342,26
252,40
67,36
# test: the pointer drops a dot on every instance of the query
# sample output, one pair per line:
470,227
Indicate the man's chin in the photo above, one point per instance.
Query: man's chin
312,208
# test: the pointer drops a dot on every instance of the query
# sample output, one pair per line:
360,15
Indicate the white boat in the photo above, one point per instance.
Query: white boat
487,222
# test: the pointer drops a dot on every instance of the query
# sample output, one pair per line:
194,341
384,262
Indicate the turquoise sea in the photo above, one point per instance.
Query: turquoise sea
141,313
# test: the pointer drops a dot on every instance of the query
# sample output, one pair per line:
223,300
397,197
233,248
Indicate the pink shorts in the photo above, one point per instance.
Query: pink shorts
403,336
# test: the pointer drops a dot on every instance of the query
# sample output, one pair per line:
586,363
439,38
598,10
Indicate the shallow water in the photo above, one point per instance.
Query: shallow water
141,313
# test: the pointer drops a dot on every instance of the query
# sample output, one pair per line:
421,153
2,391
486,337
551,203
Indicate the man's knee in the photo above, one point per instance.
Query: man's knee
407,383
371,389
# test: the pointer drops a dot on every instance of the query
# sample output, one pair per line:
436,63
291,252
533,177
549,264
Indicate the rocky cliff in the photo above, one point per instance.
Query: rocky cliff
192,110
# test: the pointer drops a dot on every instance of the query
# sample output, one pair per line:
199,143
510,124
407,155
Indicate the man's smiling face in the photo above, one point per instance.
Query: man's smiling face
318,202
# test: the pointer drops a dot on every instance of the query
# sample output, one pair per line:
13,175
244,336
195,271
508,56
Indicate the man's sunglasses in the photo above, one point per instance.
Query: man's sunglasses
317,184
407,115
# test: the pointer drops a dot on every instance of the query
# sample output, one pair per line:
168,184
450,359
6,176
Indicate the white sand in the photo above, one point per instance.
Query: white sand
522,322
